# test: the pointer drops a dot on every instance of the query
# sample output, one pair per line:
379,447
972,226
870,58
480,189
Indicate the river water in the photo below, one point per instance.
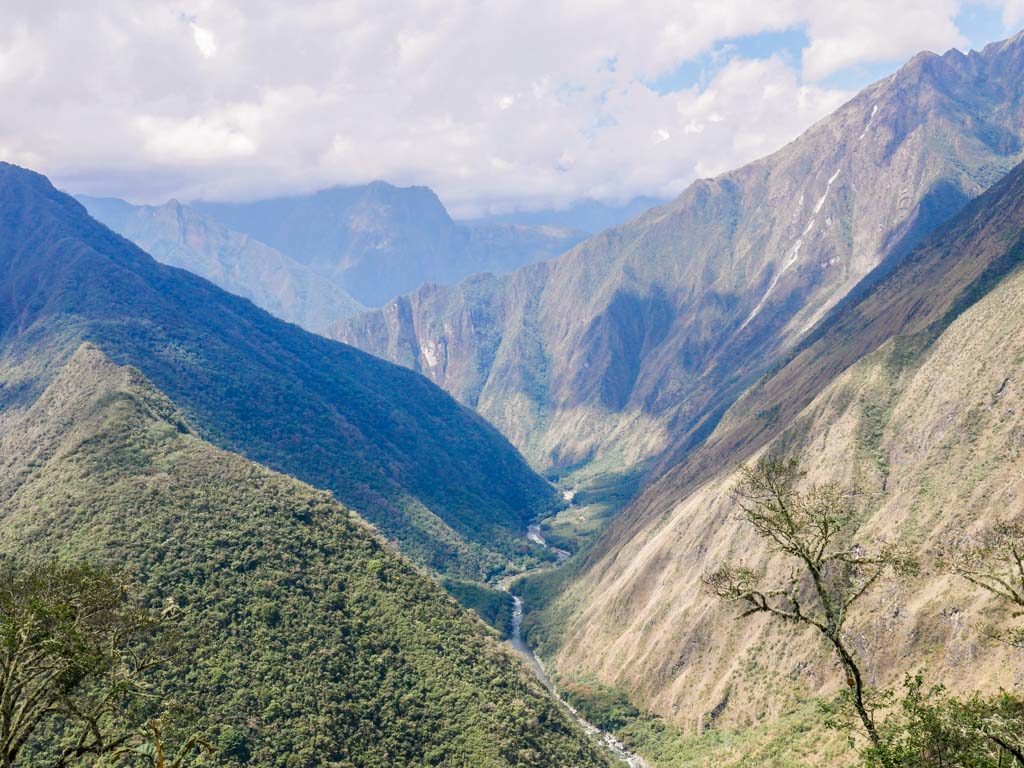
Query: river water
611,743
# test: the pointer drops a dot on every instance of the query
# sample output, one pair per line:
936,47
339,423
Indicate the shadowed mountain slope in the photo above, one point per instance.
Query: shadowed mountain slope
426,470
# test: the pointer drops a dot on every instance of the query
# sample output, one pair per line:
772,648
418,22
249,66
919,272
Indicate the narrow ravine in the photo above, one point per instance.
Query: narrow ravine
521,647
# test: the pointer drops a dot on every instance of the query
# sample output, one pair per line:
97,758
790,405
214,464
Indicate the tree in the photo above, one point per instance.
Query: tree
814,530
153,749
994,561
933,730
74,654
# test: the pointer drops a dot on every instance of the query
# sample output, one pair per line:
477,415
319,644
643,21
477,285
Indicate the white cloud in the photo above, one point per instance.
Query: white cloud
1013,13
197,139
492,105
847,32
205,40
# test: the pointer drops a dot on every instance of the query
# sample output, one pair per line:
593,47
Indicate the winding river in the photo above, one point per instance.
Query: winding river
615,746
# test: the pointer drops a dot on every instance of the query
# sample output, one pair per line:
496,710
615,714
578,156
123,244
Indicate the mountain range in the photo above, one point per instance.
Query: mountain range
854,301
622,354
426,470
183,237
378,241
910,393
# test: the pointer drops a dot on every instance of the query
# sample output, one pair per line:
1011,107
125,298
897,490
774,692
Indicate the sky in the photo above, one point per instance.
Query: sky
497,106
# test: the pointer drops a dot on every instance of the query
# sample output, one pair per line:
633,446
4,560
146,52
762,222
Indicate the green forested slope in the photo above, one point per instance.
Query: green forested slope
303,634
427,471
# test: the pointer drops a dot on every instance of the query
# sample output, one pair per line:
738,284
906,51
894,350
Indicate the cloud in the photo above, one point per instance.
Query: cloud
848,32
196,139
1013,13
493,105
205,40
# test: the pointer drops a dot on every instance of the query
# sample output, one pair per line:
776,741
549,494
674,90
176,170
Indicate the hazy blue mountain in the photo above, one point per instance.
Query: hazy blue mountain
183,237
378,241
590,216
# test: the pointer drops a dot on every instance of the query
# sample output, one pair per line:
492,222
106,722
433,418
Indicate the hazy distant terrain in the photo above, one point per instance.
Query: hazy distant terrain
378,241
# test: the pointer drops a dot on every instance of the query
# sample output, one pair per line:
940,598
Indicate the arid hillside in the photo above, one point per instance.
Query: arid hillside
928,424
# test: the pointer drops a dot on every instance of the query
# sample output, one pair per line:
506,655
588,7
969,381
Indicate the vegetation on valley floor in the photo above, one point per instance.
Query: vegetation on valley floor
304,639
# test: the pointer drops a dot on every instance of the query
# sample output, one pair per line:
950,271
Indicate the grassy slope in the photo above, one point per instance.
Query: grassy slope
425,470
928,420
301,628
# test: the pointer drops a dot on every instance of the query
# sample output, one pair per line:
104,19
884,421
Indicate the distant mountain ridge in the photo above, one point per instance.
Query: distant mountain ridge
378,241
180,236
590,216
630,346
428,472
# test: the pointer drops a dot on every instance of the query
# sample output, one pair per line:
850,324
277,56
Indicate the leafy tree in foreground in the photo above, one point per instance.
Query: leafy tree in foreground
152,748
932,730
994,561
814,529
74,651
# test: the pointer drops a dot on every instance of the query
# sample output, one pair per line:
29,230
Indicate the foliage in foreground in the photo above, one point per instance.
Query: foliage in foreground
77,656
305,641
74,654
814,530
931,729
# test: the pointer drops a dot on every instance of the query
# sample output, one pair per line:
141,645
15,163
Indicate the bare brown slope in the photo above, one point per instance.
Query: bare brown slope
621,348
930,420
920,295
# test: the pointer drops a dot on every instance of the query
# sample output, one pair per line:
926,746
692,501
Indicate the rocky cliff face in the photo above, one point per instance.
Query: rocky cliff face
913,393
632,345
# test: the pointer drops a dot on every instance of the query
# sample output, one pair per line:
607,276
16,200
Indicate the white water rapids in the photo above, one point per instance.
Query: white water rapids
611,743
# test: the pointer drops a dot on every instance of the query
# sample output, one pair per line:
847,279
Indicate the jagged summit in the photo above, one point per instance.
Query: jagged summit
629,347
